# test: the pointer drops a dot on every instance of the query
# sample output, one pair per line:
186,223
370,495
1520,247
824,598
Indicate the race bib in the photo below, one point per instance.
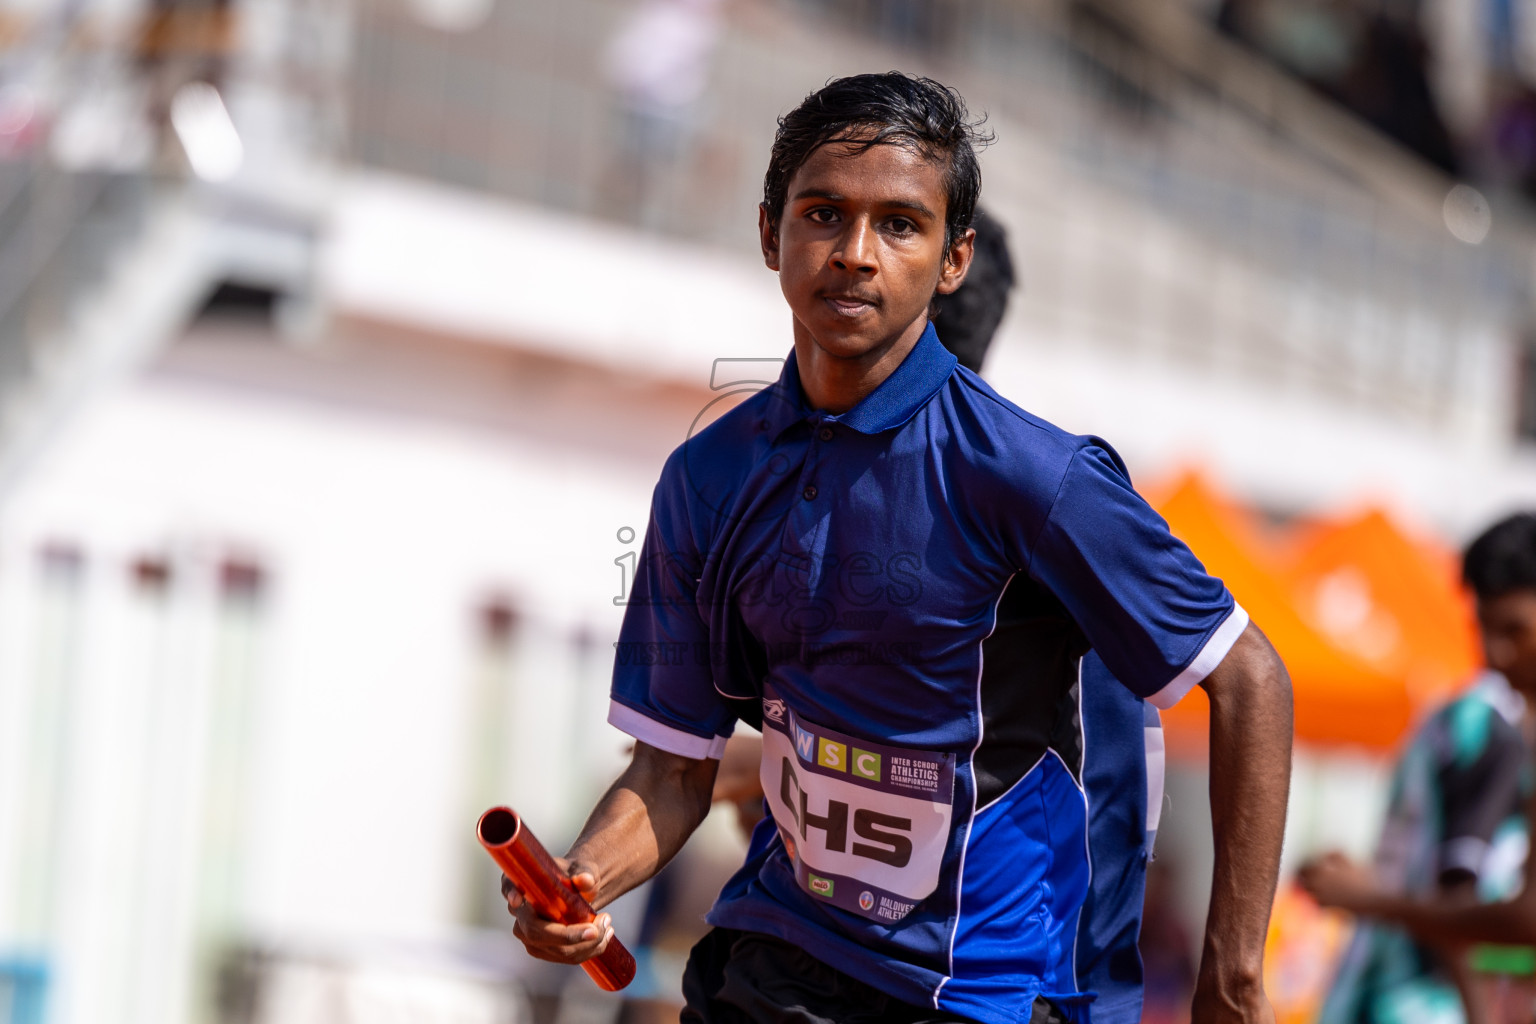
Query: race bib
865,824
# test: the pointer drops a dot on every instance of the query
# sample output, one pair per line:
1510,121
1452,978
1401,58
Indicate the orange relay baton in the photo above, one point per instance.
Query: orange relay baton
523,859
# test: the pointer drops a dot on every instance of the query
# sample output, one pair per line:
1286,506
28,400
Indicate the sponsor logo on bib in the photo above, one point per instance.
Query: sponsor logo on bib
873,816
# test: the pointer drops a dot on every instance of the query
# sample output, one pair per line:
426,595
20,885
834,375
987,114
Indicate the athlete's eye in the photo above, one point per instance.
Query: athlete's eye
822,214
901,226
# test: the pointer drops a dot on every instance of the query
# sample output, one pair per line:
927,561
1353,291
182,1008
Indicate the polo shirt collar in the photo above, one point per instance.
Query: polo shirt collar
898,397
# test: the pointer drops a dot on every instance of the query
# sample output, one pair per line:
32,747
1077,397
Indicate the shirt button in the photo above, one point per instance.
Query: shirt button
826,433
809,494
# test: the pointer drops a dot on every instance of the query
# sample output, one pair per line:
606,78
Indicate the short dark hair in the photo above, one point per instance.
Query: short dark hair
883,110
1503,557
968,317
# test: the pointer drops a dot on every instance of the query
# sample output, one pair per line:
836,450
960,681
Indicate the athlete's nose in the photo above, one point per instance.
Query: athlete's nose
856,249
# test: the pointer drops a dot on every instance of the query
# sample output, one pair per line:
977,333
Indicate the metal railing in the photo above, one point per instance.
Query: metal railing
1158,130
59,231
76,238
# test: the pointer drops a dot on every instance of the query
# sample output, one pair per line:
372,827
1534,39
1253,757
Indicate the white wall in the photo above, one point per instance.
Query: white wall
380,537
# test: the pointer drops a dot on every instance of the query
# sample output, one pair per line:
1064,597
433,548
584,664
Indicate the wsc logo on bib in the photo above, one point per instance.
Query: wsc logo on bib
829,753
821,886
866,900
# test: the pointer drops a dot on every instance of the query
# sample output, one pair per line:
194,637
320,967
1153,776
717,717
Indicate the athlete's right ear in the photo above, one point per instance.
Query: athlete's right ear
768,234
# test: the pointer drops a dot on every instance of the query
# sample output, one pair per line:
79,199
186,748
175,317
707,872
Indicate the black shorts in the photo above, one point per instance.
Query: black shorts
747,978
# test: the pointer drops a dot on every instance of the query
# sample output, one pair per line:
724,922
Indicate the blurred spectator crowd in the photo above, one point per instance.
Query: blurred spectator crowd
1449,80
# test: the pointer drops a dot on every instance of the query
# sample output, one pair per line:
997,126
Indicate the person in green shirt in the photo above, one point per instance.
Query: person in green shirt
1451,870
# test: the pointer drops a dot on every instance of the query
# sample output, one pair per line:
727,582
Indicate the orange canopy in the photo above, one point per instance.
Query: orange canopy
1340,697
1392,599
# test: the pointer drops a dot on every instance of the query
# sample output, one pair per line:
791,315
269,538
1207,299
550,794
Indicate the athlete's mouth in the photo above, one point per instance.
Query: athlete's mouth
849,305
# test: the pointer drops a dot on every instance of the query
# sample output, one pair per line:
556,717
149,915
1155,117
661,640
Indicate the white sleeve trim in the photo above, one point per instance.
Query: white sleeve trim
663,737
1464,854
1205,662
1157,773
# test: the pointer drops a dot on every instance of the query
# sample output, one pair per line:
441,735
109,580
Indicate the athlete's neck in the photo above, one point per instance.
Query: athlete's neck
836,383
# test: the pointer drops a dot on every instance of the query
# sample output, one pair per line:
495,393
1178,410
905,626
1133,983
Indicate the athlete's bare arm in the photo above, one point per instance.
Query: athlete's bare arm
1337,882
638,825
1250,695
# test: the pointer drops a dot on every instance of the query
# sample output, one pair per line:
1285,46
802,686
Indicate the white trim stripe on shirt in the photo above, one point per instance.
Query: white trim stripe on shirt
663,737
1157,773
981,728
1082,787
1205,662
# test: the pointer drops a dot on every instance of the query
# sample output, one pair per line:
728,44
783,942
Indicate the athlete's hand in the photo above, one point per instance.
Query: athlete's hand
550,940
1333,880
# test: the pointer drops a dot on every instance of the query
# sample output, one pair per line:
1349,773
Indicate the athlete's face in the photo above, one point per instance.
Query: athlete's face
860,249
1508,624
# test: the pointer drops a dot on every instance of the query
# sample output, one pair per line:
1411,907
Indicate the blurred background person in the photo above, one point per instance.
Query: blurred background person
1455,790
659,64
1455,832
1371,56
968,317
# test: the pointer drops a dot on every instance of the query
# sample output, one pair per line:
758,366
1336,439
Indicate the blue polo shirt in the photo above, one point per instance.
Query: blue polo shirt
903,595
1122,775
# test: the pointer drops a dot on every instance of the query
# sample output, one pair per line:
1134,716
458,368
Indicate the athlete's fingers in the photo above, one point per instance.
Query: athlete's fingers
552,936
511,895
584,881
552,940
561,943
582,877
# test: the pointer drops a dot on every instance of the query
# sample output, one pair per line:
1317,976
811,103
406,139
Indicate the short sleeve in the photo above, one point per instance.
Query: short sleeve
1479,779
663,688
1159,621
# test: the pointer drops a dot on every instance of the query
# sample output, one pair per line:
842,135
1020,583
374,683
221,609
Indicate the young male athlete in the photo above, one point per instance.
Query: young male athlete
1456,827
898,574
1122,764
